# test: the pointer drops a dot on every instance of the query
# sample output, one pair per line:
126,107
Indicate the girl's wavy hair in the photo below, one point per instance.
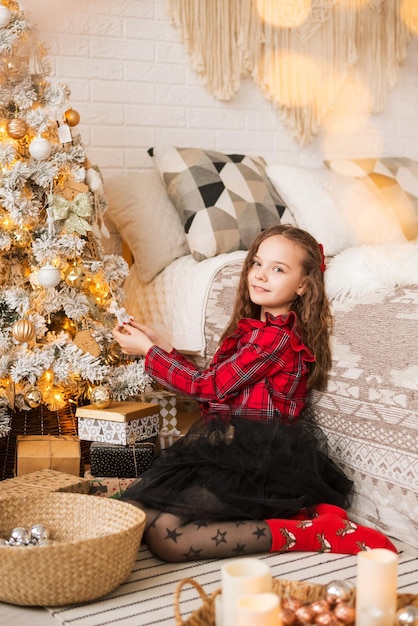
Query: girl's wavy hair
312,307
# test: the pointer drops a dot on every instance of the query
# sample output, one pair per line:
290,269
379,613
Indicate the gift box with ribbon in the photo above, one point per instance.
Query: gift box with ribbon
167,436
113,460
56,452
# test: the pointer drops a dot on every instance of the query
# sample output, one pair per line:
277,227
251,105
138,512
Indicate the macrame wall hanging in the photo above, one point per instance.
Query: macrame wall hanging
298,52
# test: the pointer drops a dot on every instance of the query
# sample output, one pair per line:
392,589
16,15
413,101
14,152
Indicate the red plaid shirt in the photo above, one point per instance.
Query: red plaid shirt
259,372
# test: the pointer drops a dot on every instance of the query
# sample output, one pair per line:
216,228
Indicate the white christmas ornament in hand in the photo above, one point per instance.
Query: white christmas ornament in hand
5,16
40,148
49,276
121,314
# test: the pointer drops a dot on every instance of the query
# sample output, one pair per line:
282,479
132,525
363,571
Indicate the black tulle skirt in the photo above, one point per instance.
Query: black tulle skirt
242,470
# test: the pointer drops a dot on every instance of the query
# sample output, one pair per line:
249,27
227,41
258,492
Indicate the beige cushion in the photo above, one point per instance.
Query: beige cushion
224,200
393,179
146,219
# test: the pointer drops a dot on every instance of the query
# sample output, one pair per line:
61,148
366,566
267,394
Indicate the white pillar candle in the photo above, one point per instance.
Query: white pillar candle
376,587
218,611
242,577
260,609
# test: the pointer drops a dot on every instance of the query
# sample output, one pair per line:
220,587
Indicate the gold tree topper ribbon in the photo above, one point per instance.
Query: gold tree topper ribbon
73,213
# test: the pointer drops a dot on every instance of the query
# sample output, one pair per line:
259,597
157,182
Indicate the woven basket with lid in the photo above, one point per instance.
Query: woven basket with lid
95,542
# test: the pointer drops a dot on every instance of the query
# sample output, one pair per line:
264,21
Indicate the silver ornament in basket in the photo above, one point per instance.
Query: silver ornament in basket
39,533
93,546
19,537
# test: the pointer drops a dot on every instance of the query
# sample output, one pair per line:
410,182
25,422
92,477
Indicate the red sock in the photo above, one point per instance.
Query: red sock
320,509
326,533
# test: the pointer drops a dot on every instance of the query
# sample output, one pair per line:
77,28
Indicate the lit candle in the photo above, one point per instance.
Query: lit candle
242,577
376,587
260,609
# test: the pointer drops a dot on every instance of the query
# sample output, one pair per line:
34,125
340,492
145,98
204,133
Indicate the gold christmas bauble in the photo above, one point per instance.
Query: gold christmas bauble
21,237
113,356
23,331
16,128
72,117
73,275
101,397
33,398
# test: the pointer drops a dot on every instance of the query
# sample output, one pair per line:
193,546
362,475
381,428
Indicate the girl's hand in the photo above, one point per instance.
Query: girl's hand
157,339
132,340
137,339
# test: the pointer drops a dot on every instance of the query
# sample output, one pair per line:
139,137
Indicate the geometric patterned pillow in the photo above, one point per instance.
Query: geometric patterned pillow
394,179
224,200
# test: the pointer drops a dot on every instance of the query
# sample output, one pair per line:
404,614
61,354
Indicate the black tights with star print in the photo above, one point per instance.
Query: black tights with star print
172,541
324,528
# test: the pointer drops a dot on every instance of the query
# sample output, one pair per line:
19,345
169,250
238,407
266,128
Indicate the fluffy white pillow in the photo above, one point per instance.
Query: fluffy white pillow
146,219
309,195
339,212
362,270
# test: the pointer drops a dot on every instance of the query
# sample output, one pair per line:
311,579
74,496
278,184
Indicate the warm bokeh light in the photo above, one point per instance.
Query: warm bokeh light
99,289
284,13
409,14
55,399
6,223
293,80
348,120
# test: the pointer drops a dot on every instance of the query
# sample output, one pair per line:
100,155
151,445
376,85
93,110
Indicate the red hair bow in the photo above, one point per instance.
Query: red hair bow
322,267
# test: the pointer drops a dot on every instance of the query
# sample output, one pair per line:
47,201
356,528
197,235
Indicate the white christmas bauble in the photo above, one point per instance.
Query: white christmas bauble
40,148
5,16
49,276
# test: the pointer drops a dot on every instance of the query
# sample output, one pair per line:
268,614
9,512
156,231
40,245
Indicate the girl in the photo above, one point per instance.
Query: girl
252,474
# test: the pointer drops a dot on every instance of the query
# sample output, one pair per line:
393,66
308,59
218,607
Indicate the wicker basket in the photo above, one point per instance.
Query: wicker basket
95,544
305,592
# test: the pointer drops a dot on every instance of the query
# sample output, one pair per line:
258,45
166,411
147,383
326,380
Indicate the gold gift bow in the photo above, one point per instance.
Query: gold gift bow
73,212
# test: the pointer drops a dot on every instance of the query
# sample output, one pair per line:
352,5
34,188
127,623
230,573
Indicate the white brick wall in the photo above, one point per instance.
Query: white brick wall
133,86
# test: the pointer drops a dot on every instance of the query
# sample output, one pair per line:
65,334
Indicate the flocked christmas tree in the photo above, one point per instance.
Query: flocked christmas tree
60,295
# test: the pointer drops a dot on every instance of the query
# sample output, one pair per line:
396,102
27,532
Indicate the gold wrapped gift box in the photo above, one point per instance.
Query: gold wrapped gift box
57,452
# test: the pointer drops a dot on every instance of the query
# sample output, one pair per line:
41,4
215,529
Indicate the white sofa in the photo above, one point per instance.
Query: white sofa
369,412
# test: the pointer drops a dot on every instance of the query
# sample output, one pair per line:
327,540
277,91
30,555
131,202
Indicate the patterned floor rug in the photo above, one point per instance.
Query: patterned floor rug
147,597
